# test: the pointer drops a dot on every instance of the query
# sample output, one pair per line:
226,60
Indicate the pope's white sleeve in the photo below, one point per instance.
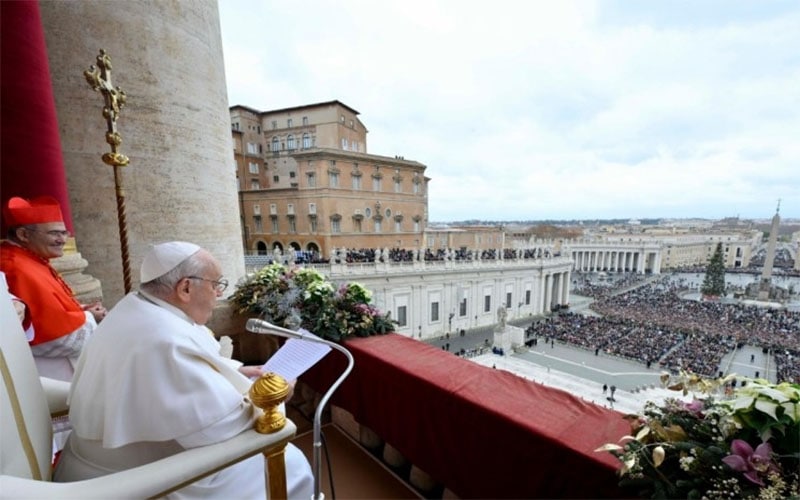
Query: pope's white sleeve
239,420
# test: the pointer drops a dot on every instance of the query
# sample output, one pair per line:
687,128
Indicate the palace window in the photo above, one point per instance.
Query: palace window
306,141
487,303
401,316
253,168
290,142
434,312
334,179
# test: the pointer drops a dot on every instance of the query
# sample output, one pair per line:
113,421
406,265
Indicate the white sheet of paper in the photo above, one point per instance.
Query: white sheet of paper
296,356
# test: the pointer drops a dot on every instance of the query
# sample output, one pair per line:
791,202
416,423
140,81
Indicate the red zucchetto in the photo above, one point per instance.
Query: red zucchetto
39,210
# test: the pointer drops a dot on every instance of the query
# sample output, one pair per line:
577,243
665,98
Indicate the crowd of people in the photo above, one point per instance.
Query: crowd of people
367,255
652,323
615,336
399,255
584,286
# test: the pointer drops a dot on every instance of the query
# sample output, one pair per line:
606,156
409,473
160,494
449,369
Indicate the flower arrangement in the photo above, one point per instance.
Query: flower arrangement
741,442
295,297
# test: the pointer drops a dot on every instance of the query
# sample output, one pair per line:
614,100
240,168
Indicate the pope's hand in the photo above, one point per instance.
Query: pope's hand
251,372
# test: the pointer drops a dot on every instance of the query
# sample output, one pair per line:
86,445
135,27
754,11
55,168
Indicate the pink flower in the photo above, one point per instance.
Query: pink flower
696,406
751,463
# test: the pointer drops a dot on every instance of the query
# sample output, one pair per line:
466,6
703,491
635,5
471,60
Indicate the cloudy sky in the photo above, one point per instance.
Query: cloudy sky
545,109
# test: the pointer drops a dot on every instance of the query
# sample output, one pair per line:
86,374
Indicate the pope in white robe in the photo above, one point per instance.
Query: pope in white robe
150,383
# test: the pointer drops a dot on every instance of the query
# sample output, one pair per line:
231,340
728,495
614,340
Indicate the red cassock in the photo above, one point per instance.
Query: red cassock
53,308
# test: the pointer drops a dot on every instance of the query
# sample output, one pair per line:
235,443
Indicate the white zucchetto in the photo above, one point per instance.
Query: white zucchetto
164,257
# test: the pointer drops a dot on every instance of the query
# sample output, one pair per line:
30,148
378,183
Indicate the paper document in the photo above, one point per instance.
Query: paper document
296,356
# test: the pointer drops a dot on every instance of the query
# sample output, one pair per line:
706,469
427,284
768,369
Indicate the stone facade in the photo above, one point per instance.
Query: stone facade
181,181
307,183
432,298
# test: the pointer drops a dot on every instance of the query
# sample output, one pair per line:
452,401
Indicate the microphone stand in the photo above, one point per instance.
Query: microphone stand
260,326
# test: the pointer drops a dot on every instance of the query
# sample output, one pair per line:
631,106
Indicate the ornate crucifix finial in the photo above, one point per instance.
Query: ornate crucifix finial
779,206
99,78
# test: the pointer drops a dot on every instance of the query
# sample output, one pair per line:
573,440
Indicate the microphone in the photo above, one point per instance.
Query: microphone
260,326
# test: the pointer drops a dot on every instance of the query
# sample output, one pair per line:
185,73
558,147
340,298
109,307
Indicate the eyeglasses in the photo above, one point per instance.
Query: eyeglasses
219,285
53,233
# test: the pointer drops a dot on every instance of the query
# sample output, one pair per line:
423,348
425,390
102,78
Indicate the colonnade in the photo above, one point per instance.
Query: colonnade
555,290
608,260
617,260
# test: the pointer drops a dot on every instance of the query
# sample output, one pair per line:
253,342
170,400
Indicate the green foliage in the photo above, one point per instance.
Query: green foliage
303,297
682,450
714,281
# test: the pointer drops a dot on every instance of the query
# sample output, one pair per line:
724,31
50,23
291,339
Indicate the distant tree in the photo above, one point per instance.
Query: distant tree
714,282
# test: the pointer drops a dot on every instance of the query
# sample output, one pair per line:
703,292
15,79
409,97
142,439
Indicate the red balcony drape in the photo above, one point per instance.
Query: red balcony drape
31,163
484,433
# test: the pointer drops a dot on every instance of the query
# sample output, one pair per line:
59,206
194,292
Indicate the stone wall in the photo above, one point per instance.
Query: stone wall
181,181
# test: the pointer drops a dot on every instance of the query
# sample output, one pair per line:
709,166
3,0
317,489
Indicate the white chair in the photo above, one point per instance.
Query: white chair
26,404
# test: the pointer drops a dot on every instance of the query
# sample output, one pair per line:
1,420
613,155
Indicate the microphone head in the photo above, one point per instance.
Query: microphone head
256,325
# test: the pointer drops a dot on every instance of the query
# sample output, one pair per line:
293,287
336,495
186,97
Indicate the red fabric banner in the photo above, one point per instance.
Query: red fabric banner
31,163
482,432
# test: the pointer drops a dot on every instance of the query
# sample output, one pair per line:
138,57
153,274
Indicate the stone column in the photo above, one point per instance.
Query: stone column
548,293
181,181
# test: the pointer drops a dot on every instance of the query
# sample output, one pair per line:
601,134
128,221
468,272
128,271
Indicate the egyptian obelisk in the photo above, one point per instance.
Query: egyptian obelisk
766,272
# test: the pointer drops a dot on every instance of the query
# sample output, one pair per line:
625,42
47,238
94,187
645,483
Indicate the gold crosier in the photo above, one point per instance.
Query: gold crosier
99,78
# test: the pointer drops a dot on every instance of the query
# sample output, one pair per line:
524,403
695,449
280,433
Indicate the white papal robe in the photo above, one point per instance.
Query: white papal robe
151,383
